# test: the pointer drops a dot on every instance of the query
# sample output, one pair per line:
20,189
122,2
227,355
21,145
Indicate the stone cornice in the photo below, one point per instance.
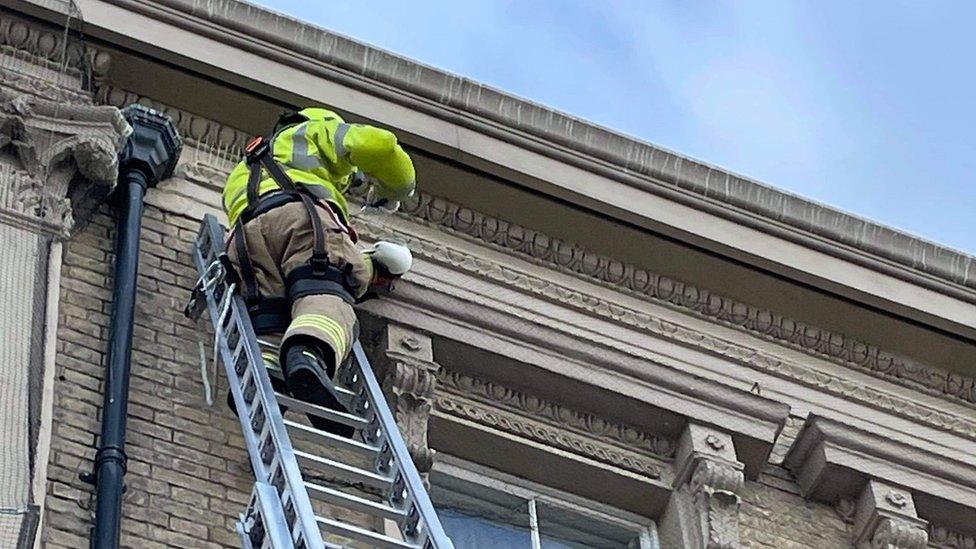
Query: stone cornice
830,457
292,43
634,280
525,415
759,360
225,143
221,143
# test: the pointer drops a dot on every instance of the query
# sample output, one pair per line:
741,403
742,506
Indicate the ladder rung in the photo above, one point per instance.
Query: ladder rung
342,470
340,528
321,411
355,503
311,434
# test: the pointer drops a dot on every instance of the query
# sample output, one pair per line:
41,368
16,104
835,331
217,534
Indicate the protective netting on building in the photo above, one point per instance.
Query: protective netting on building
35,61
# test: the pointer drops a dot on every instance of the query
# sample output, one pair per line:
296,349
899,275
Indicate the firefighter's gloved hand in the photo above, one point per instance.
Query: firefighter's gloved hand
378,203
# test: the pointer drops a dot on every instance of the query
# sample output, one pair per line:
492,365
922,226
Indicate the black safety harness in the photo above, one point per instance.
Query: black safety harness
319,276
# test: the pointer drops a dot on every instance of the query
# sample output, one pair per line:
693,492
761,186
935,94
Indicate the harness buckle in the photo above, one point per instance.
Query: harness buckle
256,149
319,264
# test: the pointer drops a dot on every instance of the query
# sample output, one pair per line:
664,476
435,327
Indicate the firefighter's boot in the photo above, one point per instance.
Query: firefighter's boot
308,373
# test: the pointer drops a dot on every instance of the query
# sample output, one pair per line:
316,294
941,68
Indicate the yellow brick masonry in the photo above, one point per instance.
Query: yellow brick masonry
187,479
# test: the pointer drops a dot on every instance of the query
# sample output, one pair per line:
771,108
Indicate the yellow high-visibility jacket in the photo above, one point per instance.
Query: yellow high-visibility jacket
324,152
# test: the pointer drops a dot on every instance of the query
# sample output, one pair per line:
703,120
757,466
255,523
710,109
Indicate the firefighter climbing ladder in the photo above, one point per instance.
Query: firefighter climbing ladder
281,513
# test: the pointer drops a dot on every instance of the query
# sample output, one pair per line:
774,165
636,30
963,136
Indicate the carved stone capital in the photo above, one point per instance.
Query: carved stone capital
708,480
886,519
61,160
409,383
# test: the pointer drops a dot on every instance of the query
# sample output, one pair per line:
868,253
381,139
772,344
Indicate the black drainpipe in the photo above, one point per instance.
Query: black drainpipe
149,155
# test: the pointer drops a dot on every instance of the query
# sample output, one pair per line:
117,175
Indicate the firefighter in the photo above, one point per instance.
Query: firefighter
293,247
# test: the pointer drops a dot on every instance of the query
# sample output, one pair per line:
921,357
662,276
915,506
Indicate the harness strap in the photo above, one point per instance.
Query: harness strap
301,282
320,258
320,276
247,277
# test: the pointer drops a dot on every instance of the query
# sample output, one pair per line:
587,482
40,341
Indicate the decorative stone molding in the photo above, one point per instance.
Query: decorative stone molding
708,479
224,145
20,76
53,143
409,383
462,259
62,66
524,415
574,259
886,518
832,461
941,537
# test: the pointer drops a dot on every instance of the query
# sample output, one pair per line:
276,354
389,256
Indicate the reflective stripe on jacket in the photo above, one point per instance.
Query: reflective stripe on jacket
323,153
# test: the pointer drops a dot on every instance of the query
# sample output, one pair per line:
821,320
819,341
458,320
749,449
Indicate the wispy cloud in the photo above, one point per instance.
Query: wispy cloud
867,105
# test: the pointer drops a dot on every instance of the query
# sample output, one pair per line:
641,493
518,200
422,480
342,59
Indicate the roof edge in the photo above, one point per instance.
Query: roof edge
631,161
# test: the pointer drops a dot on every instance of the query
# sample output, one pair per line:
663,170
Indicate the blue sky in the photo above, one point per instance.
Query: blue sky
867,106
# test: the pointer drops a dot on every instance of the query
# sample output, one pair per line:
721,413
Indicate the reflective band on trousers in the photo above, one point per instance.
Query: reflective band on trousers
330,327
270,358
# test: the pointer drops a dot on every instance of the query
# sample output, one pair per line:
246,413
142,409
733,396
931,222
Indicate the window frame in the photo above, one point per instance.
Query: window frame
534,493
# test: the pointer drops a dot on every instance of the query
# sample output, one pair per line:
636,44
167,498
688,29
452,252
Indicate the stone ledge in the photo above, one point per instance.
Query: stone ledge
632,162
833,462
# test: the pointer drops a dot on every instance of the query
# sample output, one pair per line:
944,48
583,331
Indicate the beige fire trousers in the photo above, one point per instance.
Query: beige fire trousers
281,240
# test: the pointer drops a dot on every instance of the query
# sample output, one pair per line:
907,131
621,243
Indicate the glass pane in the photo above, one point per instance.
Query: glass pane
470,532
562,528
477,516
473,514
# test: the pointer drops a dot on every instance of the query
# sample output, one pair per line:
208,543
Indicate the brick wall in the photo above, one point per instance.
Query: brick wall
773,515
187,475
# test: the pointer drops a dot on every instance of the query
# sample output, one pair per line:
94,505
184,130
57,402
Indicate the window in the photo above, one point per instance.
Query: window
477,505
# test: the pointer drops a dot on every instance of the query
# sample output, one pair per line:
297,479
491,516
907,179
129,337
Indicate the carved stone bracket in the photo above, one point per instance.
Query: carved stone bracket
64,160
886,519
409,383
708,479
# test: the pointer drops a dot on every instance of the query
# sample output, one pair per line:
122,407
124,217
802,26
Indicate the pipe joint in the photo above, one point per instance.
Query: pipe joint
111,454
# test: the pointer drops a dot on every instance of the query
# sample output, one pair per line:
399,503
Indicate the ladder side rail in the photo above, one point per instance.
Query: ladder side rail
275,525
292,477
250,438
414,485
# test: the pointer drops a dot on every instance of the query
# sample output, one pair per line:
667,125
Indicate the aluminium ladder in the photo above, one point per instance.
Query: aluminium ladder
280,514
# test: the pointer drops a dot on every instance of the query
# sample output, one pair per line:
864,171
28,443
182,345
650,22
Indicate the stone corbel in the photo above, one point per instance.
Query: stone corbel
57,161
409,382
833,460
886,519
704,510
